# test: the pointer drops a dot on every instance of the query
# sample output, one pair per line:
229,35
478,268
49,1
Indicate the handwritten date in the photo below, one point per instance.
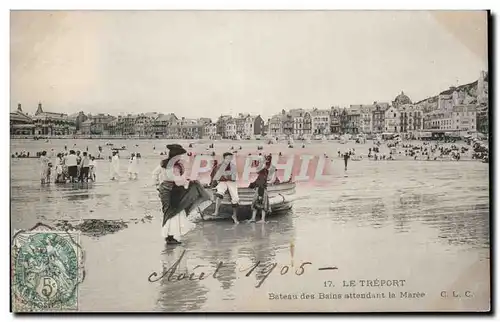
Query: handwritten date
262,271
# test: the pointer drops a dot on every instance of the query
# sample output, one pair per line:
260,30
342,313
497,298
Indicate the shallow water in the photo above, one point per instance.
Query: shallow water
423,222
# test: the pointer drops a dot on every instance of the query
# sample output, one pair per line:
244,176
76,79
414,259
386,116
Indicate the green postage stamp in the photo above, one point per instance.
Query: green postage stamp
47,268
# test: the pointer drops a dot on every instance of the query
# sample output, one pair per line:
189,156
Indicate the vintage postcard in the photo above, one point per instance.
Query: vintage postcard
250,161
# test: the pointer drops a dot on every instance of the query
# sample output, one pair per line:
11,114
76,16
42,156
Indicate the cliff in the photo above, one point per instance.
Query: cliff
470,94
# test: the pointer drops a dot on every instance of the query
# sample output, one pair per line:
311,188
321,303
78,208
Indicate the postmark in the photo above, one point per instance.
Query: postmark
47,268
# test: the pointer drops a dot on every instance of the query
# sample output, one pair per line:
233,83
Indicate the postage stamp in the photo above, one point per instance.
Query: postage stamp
47,268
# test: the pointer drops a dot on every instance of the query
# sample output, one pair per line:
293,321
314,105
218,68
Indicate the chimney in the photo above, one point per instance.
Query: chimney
19,107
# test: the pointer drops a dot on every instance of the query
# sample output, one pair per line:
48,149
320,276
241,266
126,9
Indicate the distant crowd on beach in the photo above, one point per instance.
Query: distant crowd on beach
72,166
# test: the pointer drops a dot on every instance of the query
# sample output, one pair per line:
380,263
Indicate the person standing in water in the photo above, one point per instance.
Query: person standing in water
84,168
132,167
78,163
92,169
346,158
174,197
115,166
226,182
167,188
45,168
260,200
72,164
59,169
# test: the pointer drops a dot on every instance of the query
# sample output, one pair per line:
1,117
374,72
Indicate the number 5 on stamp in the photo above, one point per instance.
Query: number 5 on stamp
47,267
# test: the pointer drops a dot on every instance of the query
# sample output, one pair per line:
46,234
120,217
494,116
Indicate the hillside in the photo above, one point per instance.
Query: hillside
470,90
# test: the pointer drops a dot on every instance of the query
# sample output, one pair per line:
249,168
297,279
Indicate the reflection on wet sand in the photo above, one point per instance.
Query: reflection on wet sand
183,295
264,251
462,217
229,248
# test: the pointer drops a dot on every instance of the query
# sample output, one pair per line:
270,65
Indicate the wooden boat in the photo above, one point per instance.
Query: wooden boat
281,197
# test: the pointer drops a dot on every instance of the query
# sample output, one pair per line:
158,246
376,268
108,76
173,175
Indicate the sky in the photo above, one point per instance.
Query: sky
209,63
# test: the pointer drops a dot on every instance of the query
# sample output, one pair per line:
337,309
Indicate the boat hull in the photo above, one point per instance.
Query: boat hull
280,201
244,212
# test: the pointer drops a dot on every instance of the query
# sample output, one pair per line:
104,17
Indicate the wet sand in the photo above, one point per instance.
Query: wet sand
423,222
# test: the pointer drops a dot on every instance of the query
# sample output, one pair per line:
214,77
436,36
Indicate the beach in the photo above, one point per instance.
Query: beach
426,223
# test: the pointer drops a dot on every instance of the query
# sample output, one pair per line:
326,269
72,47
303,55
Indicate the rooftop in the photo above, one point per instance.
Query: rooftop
166,117
20,116
402,99
50,115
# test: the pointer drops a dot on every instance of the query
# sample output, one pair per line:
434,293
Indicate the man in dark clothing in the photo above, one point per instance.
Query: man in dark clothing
346,158
260,200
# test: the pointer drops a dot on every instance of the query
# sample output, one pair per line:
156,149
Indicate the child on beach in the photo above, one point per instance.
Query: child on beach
45,168
115,166
225,176
59,169
260,200
92,169
84,168
132,167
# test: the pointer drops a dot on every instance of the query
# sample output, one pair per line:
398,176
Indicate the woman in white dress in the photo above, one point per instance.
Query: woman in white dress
45,165
132,167
115,166
59,169
92,168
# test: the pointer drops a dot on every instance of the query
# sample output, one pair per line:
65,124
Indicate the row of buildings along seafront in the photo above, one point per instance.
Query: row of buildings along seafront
42,123
454,114
147,125
461,110
458,109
